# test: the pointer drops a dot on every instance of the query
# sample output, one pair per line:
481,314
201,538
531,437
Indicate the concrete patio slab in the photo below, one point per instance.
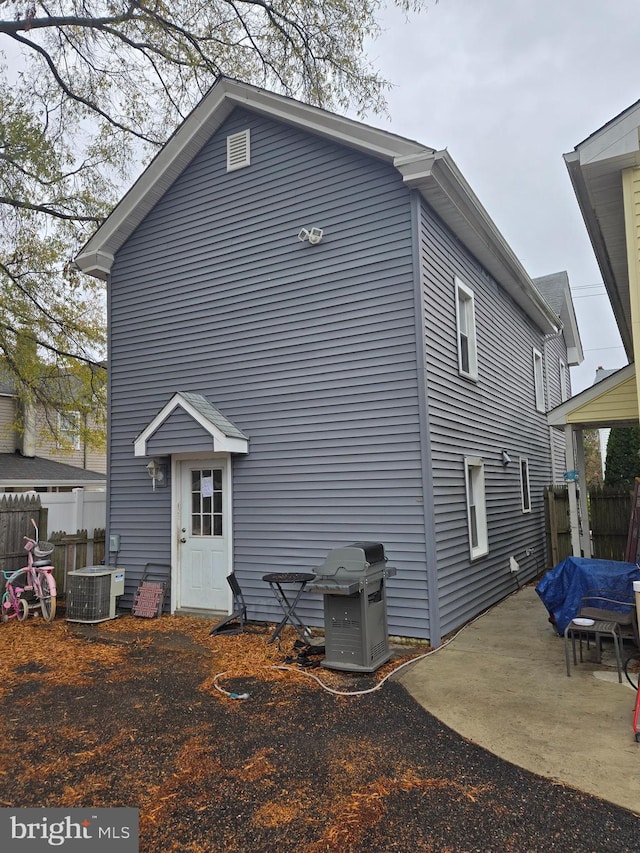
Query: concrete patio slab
502,683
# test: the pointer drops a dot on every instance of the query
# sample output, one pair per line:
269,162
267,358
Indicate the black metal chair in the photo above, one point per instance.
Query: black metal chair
238,611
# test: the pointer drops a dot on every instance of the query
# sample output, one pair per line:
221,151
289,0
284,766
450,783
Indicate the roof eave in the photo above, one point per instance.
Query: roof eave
97,255
557,417
39,482
612,283
443,186
434,173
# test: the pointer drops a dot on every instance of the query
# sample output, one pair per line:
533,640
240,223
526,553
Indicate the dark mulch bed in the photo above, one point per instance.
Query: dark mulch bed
102,721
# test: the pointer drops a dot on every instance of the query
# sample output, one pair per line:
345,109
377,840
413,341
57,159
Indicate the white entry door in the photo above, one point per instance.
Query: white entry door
203,541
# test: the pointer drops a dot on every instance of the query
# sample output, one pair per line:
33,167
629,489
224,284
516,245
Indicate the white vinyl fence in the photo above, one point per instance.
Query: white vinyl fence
76,510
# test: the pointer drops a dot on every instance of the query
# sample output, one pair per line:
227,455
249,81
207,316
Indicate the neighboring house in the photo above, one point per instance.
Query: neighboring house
318,336
31,459
560,352
605,173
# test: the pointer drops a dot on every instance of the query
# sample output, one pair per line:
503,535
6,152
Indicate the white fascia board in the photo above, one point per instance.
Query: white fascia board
575,356
97,264
558,417
197,129
163,170
436,175
581,187
221,442
345,131
618,138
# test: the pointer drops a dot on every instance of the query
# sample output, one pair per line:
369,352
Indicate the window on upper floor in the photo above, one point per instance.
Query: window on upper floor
538,379
525,489
562,372
69,429
466,327
476,508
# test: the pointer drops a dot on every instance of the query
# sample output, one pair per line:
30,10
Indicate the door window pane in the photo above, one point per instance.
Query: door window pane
206,502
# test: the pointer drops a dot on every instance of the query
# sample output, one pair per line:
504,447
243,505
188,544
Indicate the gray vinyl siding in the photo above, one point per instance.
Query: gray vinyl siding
480,419
310,351
179,434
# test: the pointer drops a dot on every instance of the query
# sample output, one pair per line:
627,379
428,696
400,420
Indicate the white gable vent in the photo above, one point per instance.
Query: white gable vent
238,151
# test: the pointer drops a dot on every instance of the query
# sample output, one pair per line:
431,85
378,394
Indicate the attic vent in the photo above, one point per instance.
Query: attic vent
238,151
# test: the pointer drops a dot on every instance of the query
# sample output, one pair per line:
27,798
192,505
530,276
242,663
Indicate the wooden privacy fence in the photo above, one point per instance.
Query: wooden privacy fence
609,515
557,524
75,551
16,512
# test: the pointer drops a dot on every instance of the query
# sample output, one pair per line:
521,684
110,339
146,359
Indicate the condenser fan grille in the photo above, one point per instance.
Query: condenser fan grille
90,596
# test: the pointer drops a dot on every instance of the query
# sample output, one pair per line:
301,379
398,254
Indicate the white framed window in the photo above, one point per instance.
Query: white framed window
562,375
476,507
538,379
466,328
69,429
525,489
238,150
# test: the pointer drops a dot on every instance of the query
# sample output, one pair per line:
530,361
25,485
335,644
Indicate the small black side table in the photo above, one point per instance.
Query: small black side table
289,603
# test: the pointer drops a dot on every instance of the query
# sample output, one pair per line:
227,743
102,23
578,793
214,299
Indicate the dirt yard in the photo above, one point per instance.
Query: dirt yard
127,714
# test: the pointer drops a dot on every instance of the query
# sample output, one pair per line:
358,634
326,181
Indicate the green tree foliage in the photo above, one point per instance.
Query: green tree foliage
623,456
96,87
592,457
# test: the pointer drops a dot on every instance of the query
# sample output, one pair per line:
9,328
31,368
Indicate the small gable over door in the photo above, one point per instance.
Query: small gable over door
189,423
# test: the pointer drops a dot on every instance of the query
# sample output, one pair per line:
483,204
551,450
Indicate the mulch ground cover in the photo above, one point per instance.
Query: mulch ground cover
131,713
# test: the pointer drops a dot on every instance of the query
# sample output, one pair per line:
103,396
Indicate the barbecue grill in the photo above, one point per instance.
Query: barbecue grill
353,583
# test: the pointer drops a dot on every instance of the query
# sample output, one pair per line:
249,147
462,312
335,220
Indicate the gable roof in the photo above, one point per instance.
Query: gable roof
36,472
613,401
557,293
224,434
595,168
433,173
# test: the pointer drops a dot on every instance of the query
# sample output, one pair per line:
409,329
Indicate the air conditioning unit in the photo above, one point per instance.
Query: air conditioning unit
92,593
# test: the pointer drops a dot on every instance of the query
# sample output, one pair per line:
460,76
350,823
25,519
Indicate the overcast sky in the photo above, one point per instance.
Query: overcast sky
508,87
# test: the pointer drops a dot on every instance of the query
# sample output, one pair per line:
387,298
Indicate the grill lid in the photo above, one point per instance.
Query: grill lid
353,560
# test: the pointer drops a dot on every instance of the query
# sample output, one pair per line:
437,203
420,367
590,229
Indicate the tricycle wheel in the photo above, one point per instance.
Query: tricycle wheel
47,600
23,609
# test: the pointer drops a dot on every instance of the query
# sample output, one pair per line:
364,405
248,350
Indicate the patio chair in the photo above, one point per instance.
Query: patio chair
612,605
238,611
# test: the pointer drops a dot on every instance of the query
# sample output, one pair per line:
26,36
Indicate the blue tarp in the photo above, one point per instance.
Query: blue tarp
563,586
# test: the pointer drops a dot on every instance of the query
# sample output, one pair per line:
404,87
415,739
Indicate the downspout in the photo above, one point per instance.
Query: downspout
108,529
433,596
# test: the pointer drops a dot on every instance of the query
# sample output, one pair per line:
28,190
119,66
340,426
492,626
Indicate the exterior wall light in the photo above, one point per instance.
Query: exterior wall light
313,235
158,471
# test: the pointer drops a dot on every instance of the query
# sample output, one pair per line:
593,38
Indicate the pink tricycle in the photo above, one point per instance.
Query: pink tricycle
35,578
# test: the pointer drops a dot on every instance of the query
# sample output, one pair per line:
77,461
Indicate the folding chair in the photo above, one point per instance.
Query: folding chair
151,592
238,611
